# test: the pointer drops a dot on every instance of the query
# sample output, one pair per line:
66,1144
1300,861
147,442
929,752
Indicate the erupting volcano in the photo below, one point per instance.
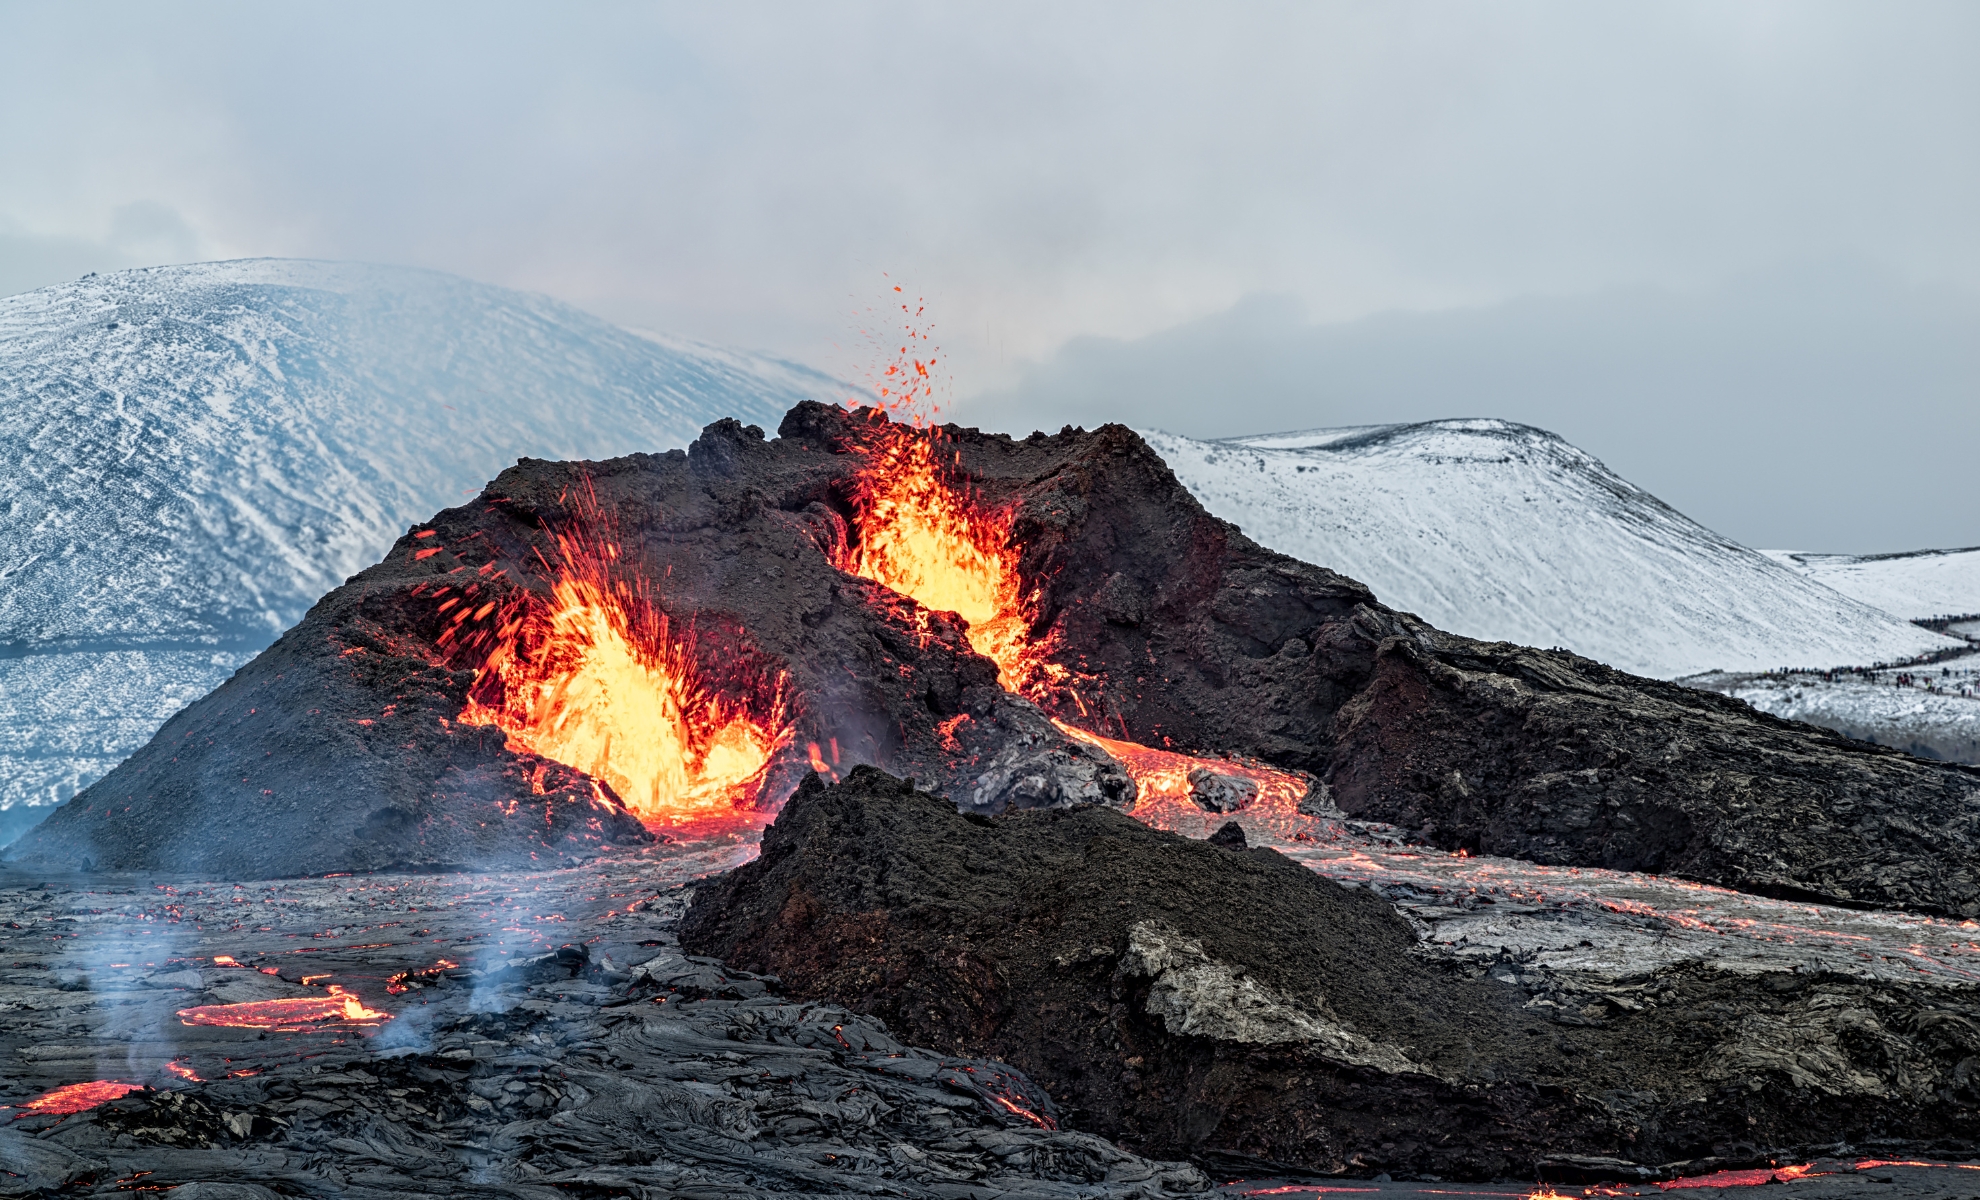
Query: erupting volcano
664,638
934,619
597,677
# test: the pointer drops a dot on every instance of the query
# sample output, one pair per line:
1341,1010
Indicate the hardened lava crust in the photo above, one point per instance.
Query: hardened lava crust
1190,998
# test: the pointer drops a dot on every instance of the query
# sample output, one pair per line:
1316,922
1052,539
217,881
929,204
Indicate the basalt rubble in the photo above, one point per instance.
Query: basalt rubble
1150,620
1189,998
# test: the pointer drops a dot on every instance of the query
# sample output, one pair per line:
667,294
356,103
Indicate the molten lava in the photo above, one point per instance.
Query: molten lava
926,537
1162,787
338,1010
597,678
183,1071
77,1097
923,534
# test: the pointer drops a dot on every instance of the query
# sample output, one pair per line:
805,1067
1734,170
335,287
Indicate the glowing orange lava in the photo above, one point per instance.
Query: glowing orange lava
77,1097
923,536
597,678
338,1010
1161,779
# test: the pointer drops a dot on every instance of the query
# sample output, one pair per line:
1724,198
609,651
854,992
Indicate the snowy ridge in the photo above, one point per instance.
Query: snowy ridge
1931,710
1506,532
190,456
1918,586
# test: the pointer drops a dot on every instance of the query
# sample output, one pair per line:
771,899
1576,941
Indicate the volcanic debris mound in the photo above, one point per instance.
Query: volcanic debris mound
1182,998
1150,620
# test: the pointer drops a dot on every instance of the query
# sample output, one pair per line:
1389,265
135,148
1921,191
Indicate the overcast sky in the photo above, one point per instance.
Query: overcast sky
1729,248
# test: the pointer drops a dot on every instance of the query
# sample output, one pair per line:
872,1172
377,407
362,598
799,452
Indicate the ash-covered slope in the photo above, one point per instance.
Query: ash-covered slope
191,456
1177,997
1922,585
1155,622
1505,532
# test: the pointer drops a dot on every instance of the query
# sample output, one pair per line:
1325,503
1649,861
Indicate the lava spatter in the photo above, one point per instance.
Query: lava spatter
598,678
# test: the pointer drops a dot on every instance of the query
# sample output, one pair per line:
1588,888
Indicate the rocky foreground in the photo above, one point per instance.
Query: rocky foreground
1185,997
543,1034
566,1048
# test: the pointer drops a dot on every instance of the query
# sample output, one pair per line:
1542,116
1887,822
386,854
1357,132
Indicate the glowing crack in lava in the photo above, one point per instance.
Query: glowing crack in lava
338,1010
77,1097
598,678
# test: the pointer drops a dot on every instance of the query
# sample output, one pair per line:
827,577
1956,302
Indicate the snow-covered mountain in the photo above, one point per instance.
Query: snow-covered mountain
190,456
1918,586
1506,532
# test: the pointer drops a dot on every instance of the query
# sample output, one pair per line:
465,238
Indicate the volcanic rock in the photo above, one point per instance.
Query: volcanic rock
1183,998
1213,791
1147,619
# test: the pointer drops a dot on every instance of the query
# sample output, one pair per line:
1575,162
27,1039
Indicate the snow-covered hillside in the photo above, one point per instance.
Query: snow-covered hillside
190,456
1506,532
1931,710
1918,586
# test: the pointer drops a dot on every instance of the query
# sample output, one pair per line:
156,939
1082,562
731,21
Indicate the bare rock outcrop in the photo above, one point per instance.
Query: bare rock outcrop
1187,998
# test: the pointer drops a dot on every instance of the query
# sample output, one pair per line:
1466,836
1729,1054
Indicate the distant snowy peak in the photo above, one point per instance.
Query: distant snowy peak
1506,532
1922,585
199,452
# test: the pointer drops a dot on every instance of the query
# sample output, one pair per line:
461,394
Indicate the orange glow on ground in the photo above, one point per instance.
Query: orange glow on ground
338,1010
1749,1177
598,679
77,1097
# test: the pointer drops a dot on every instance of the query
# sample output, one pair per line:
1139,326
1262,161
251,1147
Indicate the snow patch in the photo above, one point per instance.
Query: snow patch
1505,532
1922,585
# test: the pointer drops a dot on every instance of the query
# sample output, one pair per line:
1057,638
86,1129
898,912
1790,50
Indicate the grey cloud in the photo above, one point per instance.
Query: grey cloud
1048,172
1830,406
141,234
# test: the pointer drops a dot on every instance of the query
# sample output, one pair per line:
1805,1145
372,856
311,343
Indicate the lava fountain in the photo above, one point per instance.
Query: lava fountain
598,678
923,535
926,534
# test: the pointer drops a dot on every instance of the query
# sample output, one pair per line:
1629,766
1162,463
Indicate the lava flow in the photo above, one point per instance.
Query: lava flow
77,1097
1163,788
926,536
597,678
338,1010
